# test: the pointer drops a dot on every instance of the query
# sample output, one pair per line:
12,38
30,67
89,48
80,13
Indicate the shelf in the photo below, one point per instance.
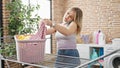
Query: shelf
96,52
86,49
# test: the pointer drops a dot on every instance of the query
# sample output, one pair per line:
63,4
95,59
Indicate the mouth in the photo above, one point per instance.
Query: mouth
65,19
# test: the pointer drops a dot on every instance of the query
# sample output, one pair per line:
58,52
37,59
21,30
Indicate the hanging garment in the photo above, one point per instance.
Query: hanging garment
41,32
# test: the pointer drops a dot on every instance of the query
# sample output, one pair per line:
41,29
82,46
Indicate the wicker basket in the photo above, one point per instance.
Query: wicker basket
31,51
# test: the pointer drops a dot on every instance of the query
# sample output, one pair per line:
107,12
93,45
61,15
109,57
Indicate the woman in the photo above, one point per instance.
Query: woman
66,37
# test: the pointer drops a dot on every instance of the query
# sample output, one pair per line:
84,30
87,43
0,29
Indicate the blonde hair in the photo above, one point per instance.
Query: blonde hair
77,18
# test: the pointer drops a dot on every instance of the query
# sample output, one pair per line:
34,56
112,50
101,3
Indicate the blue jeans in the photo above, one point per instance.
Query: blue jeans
68,58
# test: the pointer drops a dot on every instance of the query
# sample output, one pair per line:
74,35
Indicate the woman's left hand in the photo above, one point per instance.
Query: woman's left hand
47,22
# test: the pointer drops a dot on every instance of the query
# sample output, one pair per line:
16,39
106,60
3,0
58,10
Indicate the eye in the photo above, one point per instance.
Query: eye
68,13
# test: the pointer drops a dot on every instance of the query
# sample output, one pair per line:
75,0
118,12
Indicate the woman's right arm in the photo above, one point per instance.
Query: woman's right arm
50,31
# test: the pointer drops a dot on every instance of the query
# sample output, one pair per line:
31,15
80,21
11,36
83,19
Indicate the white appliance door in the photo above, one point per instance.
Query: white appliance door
113,61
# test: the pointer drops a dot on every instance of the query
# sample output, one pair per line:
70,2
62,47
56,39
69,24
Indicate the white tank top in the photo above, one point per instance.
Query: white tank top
65,42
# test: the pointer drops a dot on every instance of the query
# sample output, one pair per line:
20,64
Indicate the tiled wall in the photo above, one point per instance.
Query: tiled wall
97,14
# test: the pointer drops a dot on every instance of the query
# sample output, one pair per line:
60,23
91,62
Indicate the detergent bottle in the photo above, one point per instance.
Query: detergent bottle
101,38
94,54
96,37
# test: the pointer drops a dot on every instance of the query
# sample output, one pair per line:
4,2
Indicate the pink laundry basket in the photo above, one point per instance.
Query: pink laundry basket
30,51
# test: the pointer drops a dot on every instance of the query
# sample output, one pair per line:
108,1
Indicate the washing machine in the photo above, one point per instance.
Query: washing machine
112,61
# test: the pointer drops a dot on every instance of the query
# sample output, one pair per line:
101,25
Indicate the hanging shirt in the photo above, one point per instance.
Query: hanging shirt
41,33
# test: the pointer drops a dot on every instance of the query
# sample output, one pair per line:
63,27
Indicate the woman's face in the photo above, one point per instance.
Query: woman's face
69,17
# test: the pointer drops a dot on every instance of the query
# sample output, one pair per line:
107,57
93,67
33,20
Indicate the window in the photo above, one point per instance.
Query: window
43,12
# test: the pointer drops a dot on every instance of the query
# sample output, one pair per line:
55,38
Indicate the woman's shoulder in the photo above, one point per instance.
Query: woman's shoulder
73,23
68,24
